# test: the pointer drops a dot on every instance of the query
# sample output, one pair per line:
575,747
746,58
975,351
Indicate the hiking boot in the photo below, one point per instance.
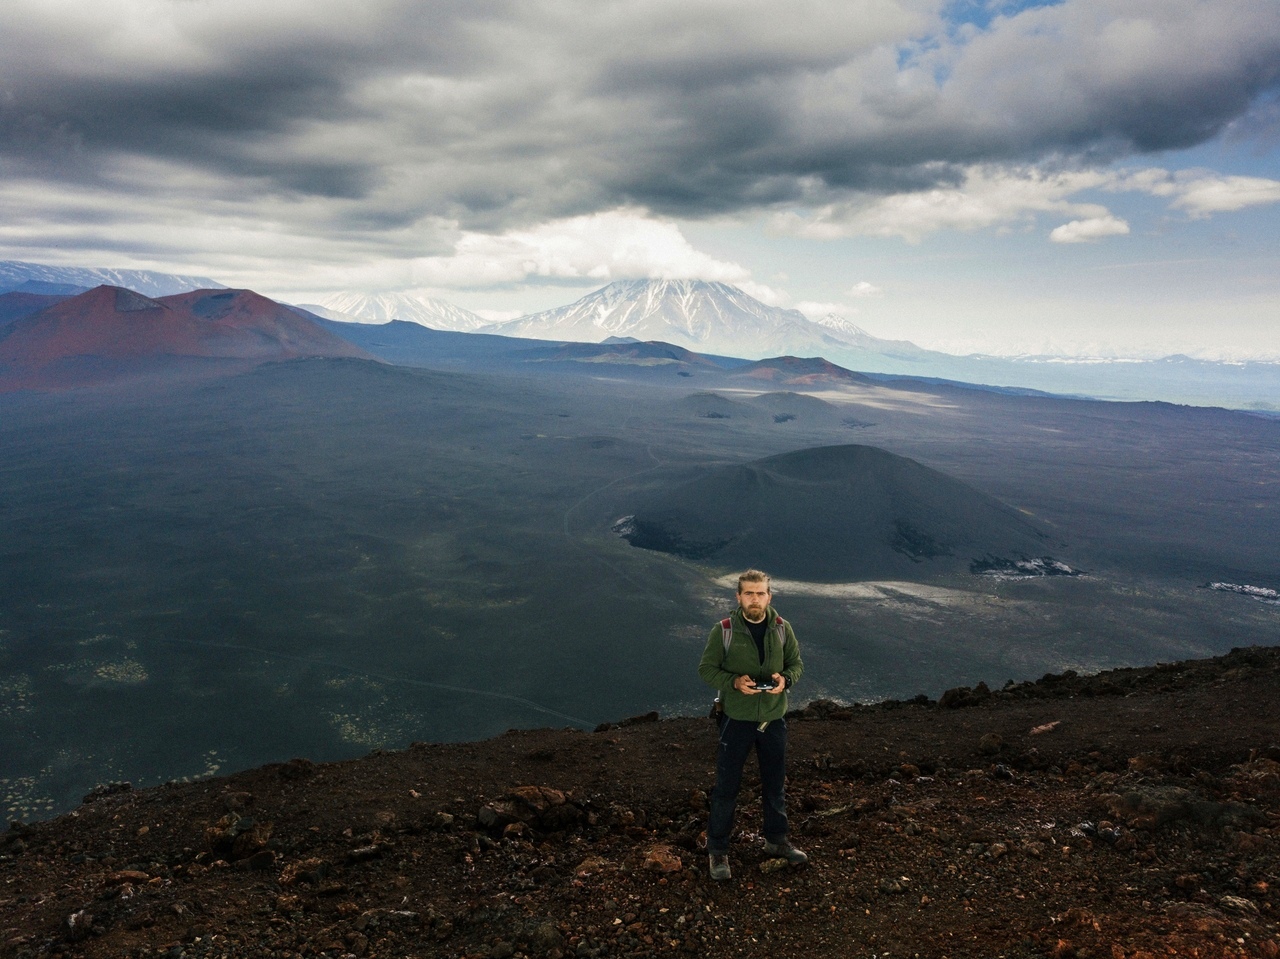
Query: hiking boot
719,866
784,850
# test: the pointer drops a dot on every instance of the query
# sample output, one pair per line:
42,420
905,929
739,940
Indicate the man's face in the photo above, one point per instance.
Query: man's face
753,598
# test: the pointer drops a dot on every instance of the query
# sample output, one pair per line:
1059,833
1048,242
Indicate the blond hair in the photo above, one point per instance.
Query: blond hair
754,576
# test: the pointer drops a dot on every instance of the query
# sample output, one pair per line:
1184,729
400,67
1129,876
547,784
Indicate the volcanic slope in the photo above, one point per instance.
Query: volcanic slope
109,333
17,304
835,513
799,372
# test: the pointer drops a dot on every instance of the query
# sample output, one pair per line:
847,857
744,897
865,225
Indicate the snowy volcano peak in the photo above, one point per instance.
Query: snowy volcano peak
653,295
697,314
834,321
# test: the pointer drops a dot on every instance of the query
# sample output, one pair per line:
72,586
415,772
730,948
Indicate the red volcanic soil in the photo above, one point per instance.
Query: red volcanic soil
241,323
799,371
1129,815
111,333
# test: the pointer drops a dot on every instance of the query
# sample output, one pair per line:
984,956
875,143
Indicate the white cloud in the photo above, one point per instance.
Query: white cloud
619,244
1009,198
1201,193
1225,194
319,143
1086,231
765,294
501,114
814,310
864,288
988,197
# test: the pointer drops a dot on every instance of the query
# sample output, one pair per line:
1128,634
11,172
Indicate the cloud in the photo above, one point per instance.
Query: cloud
1200,193
1008,198
984,197
1226,194
1086,231
601,247
498,115
864,288
814,310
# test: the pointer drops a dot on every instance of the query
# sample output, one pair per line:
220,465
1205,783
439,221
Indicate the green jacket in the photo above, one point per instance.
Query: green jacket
719,669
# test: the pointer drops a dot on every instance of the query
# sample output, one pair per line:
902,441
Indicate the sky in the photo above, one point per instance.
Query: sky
1081,177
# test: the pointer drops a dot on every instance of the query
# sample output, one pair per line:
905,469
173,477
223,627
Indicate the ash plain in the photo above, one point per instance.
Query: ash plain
323,558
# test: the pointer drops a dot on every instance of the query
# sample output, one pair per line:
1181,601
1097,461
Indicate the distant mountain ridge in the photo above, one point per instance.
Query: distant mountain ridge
722,320
38,278
385,307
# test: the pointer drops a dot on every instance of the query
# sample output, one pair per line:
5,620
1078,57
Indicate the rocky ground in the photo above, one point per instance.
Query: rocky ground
1131,814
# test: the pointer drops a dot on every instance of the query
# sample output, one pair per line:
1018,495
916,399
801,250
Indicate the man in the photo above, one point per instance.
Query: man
752,670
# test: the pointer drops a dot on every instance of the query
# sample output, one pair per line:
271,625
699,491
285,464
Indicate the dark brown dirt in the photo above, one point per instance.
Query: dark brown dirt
1130,814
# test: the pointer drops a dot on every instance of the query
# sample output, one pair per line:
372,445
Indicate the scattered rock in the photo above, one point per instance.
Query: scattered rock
662,858
365,853
105,790
555,844
237,837
297,769
1237,904
79,926
545,938
127,875
594,865
963,696
310,871
1257,779
823,709
237,801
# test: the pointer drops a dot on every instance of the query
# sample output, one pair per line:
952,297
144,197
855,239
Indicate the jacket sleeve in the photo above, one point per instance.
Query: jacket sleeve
711,668
792,664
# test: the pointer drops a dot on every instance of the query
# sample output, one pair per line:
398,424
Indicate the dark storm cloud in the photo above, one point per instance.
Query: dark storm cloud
495,113
226,122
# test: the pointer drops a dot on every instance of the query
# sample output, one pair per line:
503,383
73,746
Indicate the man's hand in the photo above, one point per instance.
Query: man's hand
745,684
779,684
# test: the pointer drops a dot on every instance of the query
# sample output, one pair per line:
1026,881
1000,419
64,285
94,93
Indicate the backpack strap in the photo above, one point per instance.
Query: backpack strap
780,634
726,635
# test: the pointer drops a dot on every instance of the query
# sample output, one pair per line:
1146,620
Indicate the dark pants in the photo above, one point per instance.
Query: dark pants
737,736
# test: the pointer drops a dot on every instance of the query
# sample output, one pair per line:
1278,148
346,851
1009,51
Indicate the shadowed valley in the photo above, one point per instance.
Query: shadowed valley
325,556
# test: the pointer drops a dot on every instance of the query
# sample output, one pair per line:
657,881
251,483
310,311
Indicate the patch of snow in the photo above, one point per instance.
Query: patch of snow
1260,593
1008,569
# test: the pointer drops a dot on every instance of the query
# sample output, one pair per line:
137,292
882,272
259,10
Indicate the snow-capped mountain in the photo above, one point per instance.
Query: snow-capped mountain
37,278
834,321
859,339
703,316
383,308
